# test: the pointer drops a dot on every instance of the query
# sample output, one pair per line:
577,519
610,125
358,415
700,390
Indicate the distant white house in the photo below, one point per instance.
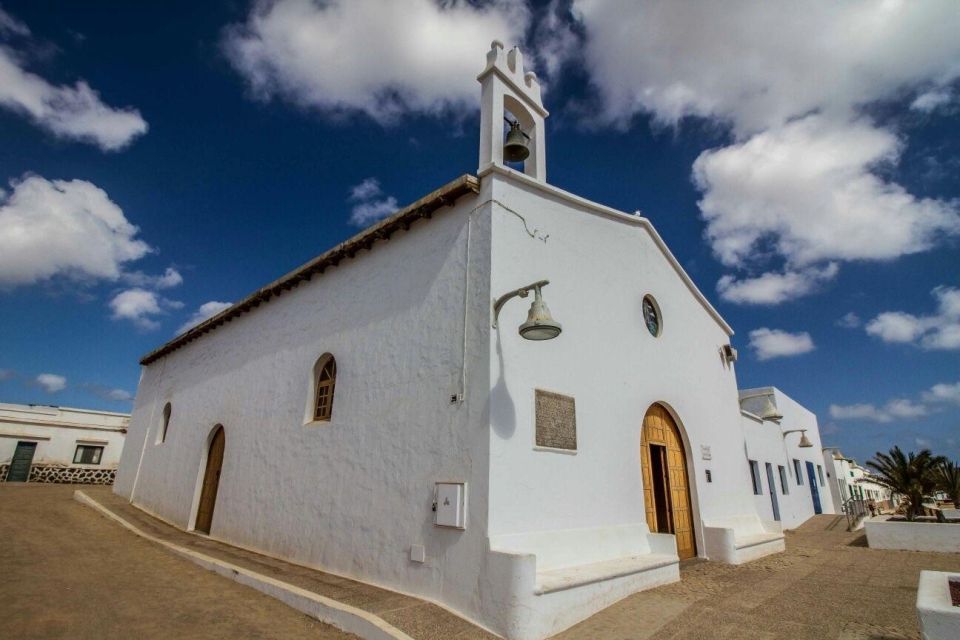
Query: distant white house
391,411
851,481
40,443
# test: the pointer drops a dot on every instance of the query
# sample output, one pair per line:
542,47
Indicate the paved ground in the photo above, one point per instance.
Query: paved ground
68,572
419,619
827,584
65,571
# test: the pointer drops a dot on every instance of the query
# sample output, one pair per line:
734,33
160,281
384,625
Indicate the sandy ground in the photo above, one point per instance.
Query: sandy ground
67,572
827,584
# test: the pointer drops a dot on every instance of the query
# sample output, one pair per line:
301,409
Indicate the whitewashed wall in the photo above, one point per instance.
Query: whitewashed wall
766,444
353,495
57,432
600,265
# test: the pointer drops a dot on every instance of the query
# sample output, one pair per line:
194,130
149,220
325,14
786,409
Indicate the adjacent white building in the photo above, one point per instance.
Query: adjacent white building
40,443
851,481
390,411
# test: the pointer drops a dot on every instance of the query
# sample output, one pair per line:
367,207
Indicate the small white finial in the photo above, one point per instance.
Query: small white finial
496,44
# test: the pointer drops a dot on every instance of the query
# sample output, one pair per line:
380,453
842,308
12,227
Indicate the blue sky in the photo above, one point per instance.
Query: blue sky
159,160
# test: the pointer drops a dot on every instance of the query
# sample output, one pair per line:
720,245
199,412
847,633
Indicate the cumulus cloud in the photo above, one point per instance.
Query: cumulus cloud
11,26
141,307
900,408
799,185
938,331
774,288
73,112
931,401
930,101
760,65
63,227
806,189
168,279
382,59
943,392
206,310
774,343
849,320
370,203
51,382
108,393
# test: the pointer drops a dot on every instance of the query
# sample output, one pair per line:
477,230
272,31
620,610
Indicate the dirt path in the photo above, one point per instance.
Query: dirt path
67,572
826,585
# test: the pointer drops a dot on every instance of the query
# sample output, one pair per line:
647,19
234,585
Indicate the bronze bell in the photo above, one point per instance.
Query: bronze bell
515,148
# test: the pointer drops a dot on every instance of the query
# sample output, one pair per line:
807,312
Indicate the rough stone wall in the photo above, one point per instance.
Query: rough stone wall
58,473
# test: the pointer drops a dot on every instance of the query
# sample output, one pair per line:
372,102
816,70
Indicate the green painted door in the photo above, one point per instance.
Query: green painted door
22,459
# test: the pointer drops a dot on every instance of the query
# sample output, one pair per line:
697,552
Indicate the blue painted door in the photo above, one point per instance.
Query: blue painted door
773,491
814,491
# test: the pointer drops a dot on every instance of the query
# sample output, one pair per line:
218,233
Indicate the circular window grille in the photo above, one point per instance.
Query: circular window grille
651,316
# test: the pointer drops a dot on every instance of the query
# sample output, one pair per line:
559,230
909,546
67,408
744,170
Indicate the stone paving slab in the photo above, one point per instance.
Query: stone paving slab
417,618
827,584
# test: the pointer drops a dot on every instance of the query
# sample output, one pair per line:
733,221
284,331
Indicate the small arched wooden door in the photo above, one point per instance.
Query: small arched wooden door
211,482
666,485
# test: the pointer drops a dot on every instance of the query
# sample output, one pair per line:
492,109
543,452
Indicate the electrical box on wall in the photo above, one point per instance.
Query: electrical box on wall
450,505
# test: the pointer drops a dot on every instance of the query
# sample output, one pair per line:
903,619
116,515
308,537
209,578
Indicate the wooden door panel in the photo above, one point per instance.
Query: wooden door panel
659,428
211,483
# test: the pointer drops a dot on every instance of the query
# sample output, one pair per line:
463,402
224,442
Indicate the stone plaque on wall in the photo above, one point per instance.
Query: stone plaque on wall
556,421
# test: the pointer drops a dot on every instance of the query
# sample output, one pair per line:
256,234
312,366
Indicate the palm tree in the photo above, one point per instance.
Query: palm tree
948,480
913,475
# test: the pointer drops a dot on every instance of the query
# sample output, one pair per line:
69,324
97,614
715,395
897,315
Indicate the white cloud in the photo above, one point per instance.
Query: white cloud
943,392
168,279
932,400
930,101
759,65
10,25
774,343
370,204
939,331
63,227
383,59
806,189
141,307
51,382
206,310
108,393
799,184
774,288
72,112
850,320
899,408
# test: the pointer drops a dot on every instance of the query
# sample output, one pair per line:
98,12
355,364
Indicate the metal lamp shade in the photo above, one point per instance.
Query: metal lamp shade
540,325
805,441
770,411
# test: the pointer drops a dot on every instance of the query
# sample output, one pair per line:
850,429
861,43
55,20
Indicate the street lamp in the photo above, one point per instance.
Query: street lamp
804,440
540,325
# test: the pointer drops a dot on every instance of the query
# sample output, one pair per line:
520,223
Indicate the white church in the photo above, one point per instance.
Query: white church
394,411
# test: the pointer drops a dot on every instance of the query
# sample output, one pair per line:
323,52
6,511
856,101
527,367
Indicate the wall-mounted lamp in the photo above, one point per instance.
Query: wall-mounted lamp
729,353
804,440
770,411
540,325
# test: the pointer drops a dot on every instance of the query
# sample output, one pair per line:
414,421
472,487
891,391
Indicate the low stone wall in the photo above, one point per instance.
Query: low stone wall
939,619
883,533
64,474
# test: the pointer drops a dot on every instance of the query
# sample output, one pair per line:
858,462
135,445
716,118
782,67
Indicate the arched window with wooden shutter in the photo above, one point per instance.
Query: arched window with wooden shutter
325,379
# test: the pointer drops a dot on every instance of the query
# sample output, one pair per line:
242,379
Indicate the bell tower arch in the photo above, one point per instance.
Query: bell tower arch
507,89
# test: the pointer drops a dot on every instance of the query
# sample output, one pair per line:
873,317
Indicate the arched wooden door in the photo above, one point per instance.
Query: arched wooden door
666,485
211,482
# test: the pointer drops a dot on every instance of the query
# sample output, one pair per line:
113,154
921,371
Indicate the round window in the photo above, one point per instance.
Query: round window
651,316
